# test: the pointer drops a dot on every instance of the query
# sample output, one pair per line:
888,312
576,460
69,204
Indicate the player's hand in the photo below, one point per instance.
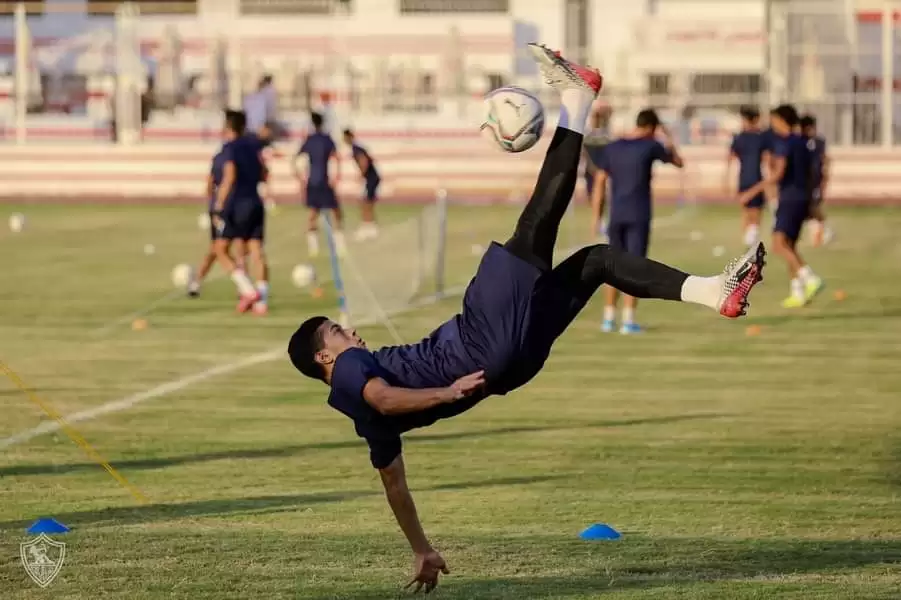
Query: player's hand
426,569
467,385
218,223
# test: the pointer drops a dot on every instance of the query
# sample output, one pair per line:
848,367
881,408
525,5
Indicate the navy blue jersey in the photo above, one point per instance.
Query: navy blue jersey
769,138
817,147
360,153
748,147
244,153
629,165
795,182
319,147
216,169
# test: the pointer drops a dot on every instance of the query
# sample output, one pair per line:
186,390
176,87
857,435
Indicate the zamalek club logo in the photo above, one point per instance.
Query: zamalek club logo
43,556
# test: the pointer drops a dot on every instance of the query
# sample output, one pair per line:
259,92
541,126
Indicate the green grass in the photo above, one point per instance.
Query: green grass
738,467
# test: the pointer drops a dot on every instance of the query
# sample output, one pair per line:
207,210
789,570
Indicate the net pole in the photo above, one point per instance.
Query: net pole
343,311
440,255
23,43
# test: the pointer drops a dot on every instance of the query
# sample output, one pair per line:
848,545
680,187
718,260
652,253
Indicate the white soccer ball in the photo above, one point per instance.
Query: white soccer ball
203,222
182,275
303,275
514,119
16,222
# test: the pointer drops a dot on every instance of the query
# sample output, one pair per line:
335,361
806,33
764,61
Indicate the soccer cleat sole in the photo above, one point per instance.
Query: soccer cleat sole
748,274
553,62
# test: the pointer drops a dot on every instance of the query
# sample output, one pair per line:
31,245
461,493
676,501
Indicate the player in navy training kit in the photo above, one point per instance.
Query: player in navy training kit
792,164
628,163
750,147
320,187
819,179
513,310
239,213
371,180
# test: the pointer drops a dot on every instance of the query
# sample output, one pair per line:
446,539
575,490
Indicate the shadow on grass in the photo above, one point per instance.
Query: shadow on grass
297,449
131,515
645,563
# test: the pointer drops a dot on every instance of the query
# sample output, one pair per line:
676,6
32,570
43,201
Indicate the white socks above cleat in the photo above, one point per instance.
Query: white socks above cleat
243,283
703,290
313,244
752,235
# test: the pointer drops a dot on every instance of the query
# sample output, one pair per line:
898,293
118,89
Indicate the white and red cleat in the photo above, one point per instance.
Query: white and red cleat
247,302
561,73
260,309
739,278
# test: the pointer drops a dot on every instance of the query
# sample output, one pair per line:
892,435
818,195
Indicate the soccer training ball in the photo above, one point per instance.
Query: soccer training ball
303,275
17,222
514,119
182,275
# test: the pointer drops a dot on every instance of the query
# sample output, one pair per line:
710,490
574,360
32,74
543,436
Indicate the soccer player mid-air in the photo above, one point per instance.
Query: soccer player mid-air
239,213
320,186
749,147
628,164
791,171
514,309
822,233
371,179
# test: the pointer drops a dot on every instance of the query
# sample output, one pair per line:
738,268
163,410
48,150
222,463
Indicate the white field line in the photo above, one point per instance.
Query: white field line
176,385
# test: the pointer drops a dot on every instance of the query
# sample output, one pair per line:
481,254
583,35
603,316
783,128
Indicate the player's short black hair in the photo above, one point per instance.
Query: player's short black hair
317,120
808,121
787,113
348,133
749,112
265,80
236,120
304,345
647,118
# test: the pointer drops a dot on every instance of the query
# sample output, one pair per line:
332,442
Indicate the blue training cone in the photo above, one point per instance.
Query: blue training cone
47,525
600,531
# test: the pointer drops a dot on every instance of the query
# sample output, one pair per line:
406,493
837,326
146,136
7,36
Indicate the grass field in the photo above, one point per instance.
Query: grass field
737,467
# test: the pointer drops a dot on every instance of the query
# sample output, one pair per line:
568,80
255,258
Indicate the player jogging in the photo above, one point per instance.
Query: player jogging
320,186
239,212
371,179
514,308
791,171
628,163
749,147
822,234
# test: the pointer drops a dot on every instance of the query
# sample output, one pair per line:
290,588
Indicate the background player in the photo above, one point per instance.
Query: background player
628,164
749,147
371,179
513,311
319,186
214,178
792,163
239,212
822,234
596,138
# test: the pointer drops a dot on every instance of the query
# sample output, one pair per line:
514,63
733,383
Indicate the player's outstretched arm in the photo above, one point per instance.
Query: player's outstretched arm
391,400
777,170
428,564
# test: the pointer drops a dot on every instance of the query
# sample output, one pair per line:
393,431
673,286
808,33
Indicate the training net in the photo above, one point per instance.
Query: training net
380,277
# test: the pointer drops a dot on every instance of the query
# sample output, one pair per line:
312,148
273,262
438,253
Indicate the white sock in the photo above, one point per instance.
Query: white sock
312,243
340,243
575,106
752,235
243,283
263,289
805,273
194,286
797,288
628,315
702,290
609,313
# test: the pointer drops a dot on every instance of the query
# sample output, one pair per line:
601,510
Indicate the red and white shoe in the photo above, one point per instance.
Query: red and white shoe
739,278
260,309
563,74
247,302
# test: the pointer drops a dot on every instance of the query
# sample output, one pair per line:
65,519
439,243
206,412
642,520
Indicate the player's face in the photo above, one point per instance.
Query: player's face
780,126
335,340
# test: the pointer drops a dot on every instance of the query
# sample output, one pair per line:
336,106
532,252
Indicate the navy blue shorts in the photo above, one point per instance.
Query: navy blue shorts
790,217
321,197
244,220
758,201
816,198
630,237
372,188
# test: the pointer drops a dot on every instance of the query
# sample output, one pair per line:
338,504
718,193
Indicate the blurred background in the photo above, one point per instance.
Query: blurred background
408,75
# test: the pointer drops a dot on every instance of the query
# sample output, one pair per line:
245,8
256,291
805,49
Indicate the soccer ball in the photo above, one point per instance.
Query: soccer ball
182,275
203,221
303,275
514,119
17,222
